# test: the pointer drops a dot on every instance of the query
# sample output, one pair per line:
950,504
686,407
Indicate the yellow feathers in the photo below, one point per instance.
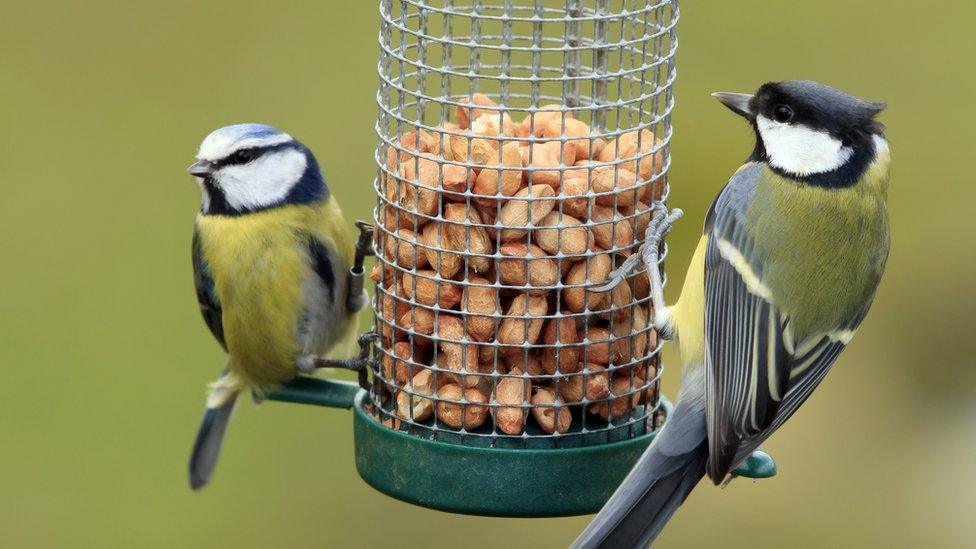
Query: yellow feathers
689,312
259,263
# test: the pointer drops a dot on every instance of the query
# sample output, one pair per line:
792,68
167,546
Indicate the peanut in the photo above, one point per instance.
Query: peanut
424,289
562,332
609,180
528,205
566,236
469,110
480,299
585,273
630,150
457,356
513,392
576,207
620,406
611,231
404,249
593,383
549,413
541,157
413,406
435,236
466,233
542,272
516,359
571,127
535,124
487,182
523,321
596,346
452,412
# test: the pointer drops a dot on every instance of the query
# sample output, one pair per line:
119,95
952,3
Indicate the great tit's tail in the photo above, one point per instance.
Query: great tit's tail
206,448
657,485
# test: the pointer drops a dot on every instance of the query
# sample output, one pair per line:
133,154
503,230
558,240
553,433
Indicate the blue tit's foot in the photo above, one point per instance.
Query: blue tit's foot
356,297
309,364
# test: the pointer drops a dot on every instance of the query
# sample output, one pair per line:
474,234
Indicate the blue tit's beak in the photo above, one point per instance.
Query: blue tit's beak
736,102
201,168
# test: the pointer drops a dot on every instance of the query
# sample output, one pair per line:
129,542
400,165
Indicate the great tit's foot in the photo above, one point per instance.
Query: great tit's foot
657,229
619,274
660,225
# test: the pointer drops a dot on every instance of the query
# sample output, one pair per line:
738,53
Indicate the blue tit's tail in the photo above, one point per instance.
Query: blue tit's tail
206,448
657,485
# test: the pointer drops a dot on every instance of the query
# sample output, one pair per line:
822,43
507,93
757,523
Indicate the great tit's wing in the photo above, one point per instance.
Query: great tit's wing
206,294
756,374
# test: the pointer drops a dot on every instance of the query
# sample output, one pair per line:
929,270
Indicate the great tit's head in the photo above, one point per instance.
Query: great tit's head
251,167
804,128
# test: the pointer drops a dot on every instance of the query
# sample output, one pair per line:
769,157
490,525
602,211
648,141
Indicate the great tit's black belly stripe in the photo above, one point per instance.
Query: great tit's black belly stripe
322,265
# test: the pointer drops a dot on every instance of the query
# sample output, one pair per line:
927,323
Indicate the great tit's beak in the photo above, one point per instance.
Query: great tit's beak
736,102
201,168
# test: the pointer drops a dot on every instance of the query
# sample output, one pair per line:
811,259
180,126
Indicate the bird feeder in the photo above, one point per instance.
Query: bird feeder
521,149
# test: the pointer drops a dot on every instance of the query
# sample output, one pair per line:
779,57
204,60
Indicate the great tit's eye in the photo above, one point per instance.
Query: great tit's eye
782,113
243,156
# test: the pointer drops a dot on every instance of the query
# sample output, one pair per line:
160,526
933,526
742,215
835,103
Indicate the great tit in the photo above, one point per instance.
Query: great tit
792,252
271,251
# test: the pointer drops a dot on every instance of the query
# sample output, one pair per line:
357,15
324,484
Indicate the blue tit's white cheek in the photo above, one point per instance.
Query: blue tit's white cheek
800,150
263,182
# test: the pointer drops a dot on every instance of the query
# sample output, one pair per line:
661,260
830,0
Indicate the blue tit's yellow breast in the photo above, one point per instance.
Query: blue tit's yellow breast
258,263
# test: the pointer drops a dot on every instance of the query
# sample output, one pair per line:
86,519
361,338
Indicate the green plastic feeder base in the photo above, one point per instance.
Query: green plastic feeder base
483,481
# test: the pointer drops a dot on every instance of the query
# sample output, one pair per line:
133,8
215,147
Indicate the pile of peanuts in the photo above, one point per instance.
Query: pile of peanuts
491,235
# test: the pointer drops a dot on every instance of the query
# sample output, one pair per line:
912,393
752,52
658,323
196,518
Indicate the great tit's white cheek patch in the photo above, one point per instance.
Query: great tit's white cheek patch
263,181
800,150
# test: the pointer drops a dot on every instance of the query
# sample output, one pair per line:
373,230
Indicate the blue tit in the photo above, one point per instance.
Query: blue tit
271,251
793,250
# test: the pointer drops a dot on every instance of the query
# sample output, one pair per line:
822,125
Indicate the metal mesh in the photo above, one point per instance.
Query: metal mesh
521,146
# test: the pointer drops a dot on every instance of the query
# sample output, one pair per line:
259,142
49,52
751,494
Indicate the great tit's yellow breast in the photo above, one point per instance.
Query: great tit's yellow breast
689,311
823,250
258,262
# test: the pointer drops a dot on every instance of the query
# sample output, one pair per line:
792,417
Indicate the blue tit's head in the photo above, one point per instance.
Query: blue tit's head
246,168
810,131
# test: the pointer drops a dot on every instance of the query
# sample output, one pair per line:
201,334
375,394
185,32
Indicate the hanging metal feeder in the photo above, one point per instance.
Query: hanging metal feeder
498,382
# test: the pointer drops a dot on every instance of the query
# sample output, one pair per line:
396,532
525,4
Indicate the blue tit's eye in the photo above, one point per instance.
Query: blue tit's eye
243,156
782,113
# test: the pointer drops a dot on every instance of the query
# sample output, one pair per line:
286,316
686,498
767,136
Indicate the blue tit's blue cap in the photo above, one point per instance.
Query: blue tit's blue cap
224,141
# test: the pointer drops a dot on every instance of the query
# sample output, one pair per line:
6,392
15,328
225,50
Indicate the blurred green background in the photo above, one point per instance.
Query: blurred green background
105,358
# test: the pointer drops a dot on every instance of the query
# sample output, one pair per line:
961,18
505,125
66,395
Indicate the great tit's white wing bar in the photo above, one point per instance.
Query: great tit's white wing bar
206,294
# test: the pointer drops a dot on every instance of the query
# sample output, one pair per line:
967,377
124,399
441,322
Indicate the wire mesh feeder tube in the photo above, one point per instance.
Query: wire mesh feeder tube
520,149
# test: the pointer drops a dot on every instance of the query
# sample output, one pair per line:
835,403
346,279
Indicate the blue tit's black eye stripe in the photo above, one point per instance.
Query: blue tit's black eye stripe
250,154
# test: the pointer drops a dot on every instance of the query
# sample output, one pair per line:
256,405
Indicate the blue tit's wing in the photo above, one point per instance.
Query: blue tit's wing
757,375
323,266
206,294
